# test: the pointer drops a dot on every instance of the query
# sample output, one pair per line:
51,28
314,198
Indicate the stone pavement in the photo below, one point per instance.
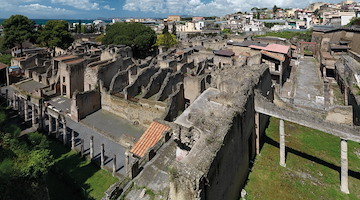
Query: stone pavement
308,86
83,132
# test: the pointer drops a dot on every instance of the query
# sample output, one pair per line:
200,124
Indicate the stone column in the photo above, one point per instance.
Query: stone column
19,107
257,132
282,144
14,102
56,128
114,165
82,147
344,168
26,110
127,162
91,147
72,139
40,116
64,133
7,76
33,119
7,97
346,97
102,156
50,124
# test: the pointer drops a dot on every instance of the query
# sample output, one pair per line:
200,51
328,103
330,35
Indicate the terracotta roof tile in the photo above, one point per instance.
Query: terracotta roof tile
277,48
150,137
273,55
2,65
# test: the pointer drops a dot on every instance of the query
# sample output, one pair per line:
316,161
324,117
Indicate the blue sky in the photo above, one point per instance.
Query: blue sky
90,9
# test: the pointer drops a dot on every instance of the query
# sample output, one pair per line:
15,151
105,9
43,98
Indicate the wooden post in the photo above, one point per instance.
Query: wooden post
282,144
344,168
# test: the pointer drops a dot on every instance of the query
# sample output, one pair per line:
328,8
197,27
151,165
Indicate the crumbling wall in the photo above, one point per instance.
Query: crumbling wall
84,103
141,82
76,78
155,83
193,87
169,85
254,59
119,82
142,111
176,103
229,169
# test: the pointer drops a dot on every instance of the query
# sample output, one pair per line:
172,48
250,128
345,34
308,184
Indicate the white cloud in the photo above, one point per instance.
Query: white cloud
41,8
79,4
107,7
200,7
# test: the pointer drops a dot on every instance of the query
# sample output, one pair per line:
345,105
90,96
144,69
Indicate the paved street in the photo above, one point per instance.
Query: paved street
111,147
309,87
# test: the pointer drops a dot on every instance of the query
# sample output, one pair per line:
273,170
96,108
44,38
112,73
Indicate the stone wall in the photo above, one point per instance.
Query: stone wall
84,103
143,111
155,83
169,85
119,82
216,166
193,87
141,82
104,71
177,103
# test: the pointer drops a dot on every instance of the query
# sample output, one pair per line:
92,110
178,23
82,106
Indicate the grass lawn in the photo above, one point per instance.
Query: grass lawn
93,179
312,166
306,35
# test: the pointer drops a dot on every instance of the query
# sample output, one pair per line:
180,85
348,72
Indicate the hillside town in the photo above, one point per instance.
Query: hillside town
182,107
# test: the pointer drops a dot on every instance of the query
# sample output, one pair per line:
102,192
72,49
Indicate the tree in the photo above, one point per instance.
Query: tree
167,40
275,8
138,36
354,21
173,30
55,34
17,29
166,29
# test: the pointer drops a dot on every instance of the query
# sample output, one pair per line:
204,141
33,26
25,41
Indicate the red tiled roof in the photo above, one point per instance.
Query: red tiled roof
274,55
2,65
150,137
277,48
